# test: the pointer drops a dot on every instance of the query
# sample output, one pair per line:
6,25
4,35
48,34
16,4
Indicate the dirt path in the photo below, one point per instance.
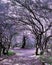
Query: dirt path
22,57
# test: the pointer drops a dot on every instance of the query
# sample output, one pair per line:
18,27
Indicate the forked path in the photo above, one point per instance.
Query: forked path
22,57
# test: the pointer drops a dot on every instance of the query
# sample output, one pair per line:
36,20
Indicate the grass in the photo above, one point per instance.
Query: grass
10,53
45,59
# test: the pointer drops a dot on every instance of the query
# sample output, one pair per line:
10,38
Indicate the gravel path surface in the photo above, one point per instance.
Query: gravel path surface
22,57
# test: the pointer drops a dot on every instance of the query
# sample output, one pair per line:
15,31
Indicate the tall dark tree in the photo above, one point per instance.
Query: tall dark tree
24,42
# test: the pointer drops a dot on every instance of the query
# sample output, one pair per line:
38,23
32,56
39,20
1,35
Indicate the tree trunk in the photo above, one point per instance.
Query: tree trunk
37,49
41,45
37,46
0,44
24,42
0,48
